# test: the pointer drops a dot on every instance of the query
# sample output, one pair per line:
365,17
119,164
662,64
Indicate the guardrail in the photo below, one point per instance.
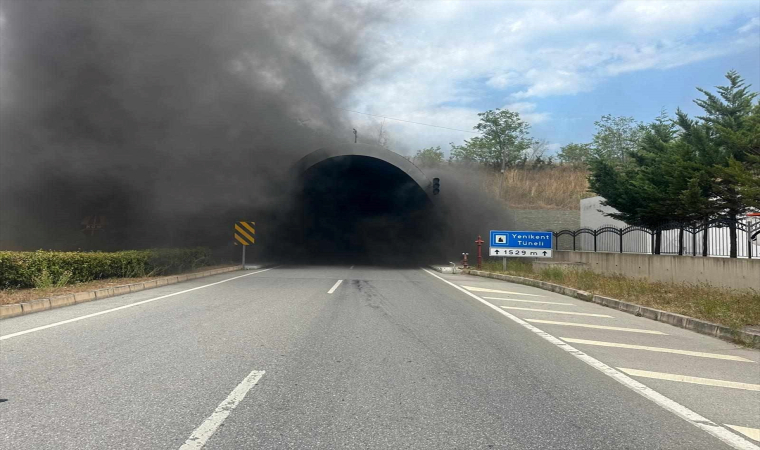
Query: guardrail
715,238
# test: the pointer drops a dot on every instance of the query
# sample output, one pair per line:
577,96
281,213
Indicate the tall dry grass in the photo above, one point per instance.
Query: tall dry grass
558,187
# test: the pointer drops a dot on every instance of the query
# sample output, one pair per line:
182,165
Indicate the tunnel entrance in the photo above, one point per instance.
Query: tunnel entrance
358,209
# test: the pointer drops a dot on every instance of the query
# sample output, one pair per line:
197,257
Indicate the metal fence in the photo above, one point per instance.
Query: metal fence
711,238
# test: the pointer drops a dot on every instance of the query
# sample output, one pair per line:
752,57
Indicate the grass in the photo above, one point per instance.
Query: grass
729,307
558,187
10,296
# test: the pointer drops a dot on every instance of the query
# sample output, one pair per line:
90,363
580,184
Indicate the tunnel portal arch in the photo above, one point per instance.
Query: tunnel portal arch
371,151
361,203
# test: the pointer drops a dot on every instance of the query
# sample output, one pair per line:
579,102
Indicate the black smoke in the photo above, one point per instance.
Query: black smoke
172,119
161,112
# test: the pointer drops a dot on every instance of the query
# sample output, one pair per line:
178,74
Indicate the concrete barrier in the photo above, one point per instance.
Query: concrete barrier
721,272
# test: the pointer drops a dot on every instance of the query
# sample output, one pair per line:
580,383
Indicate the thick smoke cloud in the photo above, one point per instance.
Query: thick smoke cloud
173,119
150,112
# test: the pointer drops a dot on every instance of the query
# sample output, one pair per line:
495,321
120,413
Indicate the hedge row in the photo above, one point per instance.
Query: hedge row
19,269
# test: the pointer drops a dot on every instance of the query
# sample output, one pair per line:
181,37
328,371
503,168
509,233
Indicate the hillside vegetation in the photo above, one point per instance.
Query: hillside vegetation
557,187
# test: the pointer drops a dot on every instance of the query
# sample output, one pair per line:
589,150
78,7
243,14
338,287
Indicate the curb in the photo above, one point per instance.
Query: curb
42,304
442,269
677,320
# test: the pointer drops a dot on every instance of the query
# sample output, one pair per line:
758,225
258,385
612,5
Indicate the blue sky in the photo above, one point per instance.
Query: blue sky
562,65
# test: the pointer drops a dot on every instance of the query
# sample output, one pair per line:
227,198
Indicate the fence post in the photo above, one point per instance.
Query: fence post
749,243
694,242
705,252
595,240
573,240
652,235
680,241
621,239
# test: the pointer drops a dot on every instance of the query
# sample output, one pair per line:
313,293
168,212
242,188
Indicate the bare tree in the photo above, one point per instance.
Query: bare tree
537,149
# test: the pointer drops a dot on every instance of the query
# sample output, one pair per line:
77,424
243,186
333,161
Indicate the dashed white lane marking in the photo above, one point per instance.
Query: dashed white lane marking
557,312
657,349
598,327
528,301
752,433
209,426
351,268
335,286
496,291
688,379
676,408
131,305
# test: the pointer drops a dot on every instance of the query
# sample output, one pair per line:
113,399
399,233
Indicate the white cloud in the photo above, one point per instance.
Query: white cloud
749,26
527,112
439,59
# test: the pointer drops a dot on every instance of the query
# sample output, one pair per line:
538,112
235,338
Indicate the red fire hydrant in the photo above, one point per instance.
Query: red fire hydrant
480,255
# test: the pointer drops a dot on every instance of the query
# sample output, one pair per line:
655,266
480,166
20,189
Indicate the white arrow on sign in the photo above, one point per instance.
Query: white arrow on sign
519,253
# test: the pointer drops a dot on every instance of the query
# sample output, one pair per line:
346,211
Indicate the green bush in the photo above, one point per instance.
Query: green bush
46,268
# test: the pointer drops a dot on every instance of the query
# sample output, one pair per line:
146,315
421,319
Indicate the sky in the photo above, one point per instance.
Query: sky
561,65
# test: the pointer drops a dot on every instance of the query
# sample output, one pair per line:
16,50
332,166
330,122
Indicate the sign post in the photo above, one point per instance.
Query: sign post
524,244
244,234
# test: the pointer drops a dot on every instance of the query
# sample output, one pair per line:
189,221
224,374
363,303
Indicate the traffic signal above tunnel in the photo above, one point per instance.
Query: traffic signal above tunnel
436,186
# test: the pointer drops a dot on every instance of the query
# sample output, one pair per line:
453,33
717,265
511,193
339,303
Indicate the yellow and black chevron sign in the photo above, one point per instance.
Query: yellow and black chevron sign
244,233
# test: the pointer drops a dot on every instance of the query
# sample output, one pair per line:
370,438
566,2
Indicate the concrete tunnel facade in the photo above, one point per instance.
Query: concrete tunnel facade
370,151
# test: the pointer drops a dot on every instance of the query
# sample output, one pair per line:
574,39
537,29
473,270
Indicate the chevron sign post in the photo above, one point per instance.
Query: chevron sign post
245,235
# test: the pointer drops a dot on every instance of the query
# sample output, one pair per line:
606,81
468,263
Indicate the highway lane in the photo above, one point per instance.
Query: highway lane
387,358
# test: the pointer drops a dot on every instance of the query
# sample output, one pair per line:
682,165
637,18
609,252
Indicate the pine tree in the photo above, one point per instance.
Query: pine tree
727,141
662,184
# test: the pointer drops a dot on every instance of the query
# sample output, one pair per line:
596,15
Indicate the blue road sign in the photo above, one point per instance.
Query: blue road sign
522,243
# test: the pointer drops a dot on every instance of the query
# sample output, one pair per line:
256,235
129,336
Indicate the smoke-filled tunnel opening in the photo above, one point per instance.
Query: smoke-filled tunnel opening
357,209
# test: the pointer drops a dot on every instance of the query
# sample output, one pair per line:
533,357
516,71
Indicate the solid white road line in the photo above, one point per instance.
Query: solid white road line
528,301
752,433
131,305
211,424
557,312
335,286
496,291
681,411
688,379
598,327
657,349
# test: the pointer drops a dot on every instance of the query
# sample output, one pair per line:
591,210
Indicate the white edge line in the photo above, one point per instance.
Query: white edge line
596,327
528,301
335,286
752,433
681,411
714,382
657,349
209,426
76,319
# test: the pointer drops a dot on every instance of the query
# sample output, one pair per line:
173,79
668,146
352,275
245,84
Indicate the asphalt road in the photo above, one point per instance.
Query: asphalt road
290,358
